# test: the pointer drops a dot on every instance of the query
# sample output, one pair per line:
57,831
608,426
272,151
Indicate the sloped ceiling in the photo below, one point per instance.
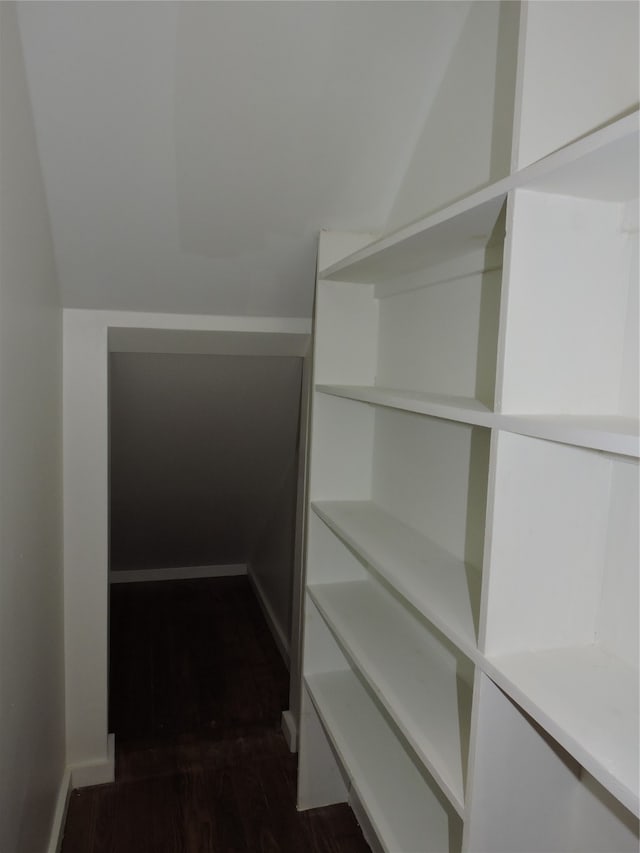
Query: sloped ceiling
191,151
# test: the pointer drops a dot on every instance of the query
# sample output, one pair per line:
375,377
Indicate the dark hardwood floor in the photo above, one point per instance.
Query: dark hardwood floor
197,688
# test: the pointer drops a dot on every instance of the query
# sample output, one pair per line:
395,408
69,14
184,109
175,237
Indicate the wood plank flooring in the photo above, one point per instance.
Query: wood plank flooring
197,688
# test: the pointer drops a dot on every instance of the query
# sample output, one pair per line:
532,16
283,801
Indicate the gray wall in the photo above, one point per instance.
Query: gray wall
32,733
201,449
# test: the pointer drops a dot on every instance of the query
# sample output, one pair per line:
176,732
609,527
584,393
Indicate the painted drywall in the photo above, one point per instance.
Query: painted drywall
465,142
192,151
199,448
32,742
272,559
86,498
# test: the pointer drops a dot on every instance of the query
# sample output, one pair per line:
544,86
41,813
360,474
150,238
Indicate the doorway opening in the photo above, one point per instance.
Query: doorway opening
206,438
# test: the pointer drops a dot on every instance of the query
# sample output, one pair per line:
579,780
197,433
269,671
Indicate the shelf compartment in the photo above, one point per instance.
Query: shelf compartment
434,582
405,811
578,70
562,564
442,339
570,326
429,474
456,230
433,345
561,597
601,167
588,701
544,798
449,407
432,475
423,684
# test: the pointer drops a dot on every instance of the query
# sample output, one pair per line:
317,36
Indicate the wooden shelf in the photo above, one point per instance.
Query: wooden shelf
413,676
449,407
395,795
588,701
597,432
433,581
603,166
612,433
455,231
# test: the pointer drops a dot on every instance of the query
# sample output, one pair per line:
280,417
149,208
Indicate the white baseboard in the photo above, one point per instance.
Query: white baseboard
178,573
290,730
282,641
95,773
60,814
370,835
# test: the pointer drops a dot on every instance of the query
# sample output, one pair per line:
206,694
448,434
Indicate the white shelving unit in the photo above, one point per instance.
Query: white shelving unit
471,630
433,712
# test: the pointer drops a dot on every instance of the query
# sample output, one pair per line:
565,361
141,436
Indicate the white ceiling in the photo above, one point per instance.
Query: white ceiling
192,150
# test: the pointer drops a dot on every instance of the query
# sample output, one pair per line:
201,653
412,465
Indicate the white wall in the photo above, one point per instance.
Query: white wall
32,760
272,561
200,444
466,139
86,500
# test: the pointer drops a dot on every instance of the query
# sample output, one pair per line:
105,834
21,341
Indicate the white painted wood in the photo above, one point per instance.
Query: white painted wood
431,580
341,449
60,815
460,228
617,627
528,794
364,823
320,778
601,167
322,653
447,406
442,339
588,701
485,259
629,384
432,711
345,333
568,282
85,358
176,573
600,822
328,560
615,433
562,600
299,573
546,566
289,730
543,368
99,772
432,475
402,807
579,68
521,786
